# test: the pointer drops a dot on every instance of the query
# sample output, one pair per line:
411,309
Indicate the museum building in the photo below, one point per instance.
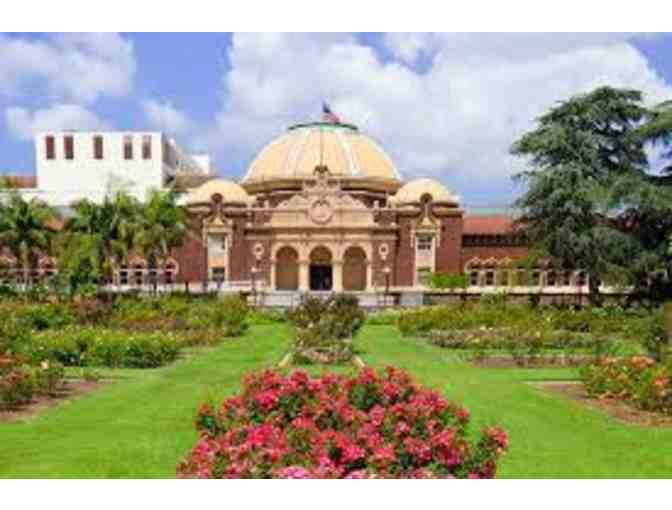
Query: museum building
324,208
321,208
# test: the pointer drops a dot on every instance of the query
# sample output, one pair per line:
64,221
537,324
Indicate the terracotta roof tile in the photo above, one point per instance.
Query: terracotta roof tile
488,224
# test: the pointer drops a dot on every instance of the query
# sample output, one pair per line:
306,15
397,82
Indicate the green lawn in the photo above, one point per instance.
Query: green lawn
140,425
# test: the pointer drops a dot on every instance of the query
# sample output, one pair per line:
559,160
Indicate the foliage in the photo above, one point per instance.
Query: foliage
639,380
162,227
324,329
373,425
260,316
35,316
108,232
449,281
88,346
338,316
590,203
81,263
385,317
19,382
230,315
531,335
612,321
25,230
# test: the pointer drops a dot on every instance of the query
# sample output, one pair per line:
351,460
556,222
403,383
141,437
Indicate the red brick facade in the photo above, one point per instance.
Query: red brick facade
488,237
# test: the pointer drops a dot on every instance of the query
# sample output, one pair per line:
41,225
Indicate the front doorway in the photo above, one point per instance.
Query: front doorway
321,274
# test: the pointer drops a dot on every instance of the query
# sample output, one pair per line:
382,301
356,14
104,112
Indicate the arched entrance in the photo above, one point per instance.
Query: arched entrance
354,269
321,274
286,269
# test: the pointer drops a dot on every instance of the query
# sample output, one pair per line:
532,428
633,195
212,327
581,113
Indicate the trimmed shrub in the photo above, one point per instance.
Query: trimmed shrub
372,425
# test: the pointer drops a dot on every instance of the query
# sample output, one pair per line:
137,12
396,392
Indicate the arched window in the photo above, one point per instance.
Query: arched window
354,269
286,269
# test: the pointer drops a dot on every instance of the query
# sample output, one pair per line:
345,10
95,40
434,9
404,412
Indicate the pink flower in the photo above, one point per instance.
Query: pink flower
293,473
267,399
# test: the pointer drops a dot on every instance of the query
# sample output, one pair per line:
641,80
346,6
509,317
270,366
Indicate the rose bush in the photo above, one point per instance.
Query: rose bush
19,382
372,425
638,379
324,329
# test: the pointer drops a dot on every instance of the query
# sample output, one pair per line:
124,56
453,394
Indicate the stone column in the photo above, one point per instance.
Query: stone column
369,275
272,275
304,277
337,275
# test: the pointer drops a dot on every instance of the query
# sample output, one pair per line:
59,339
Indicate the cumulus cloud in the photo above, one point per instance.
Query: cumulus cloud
165,117
22,123
70,67
456,118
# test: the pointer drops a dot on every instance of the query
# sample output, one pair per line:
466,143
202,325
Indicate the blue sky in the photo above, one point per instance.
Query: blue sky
443,105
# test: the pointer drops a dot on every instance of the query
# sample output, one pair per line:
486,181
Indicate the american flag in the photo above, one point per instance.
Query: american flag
328,115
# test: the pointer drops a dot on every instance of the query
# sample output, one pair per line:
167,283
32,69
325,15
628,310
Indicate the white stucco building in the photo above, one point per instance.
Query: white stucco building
73,165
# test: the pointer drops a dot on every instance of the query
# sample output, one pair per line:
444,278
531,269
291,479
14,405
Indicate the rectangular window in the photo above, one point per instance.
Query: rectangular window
551,279
50,147
98,147
424,275
69,147
128,147
489,278
219,274
147,147
473,278
424,243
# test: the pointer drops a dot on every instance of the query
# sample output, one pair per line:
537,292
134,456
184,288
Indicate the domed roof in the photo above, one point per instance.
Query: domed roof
414,190
347,153
228,190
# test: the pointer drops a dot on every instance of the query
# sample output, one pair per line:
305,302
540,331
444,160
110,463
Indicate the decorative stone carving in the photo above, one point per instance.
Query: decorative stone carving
321,211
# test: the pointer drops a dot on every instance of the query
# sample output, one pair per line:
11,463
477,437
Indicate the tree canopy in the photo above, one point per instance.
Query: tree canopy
593,201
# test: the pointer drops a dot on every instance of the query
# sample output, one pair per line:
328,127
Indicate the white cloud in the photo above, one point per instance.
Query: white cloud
456,118
165,117
70,67
22,124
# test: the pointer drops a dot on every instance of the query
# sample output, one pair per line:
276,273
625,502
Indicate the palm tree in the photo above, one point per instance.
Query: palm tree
26,230
164,226
113,224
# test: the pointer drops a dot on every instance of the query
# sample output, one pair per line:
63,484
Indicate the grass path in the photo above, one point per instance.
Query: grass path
550,436
141,425
137,427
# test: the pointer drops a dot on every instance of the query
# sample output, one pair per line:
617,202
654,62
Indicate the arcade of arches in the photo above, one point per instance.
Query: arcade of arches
320,270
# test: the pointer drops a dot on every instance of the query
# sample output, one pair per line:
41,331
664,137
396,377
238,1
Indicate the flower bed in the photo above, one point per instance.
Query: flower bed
229,315
529,348
373,425
90,346
600,322
20,382
526,333
638,380
324,329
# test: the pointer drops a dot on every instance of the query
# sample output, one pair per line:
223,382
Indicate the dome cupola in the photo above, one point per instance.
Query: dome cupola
350,156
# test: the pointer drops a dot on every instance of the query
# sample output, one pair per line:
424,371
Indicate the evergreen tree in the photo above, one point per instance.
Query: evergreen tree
588,181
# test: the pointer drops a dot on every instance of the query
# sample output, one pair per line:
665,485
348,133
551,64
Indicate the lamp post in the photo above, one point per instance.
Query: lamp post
387,271
254,271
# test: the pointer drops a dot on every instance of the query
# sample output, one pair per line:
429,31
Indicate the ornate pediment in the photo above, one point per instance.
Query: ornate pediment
297,201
